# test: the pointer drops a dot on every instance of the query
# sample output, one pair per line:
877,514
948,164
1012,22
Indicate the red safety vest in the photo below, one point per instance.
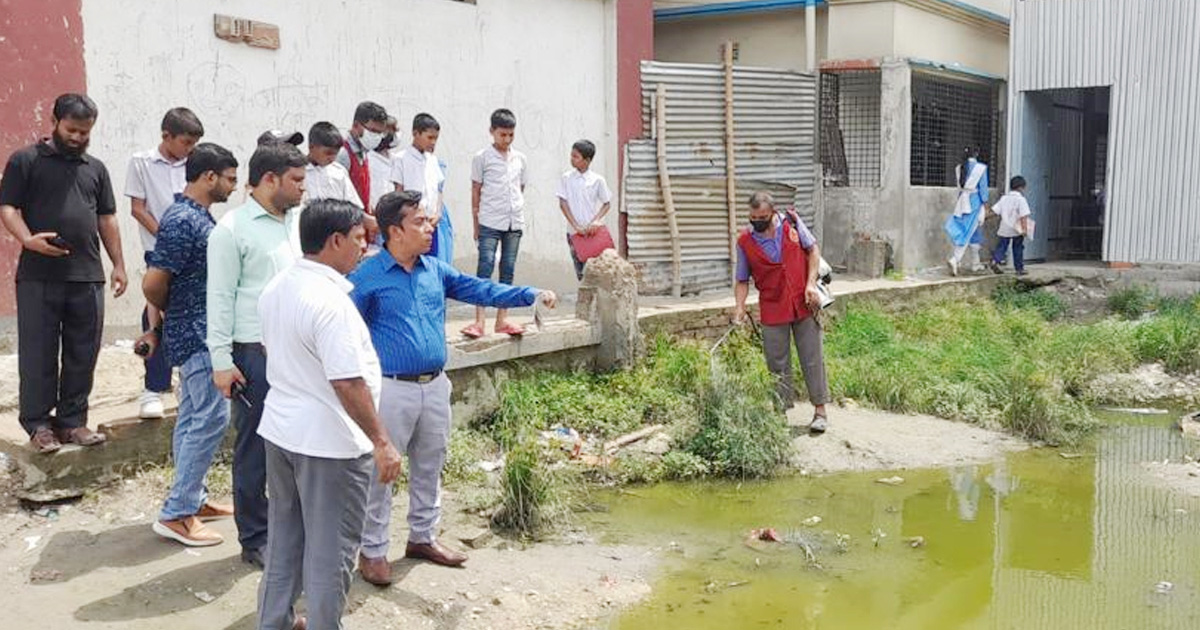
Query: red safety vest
780,284
360,175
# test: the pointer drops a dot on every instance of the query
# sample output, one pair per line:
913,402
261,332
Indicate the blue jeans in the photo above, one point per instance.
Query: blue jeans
158,369
249,451
509,242
1018,248
203,418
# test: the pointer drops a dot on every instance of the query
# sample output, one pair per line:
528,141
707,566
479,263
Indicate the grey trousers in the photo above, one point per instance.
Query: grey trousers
417,419
313,526
777,346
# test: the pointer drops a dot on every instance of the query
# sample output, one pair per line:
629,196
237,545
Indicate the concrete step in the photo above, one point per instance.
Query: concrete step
132,443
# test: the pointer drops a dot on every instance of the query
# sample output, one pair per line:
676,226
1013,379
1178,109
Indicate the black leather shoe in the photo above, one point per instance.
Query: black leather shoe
253,557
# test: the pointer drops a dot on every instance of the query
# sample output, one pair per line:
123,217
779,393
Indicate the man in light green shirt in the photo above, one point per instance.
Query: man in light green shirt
246,249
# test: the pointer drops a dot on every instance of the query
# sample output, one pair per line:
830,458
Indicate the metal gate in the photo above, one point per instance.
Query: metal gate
774,138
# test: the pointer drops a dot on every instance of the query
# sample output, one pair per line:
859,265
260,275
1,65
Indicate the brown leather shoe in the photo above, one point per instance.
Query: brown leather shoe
43,441
376,571
436,553
82,436
189,531
214,511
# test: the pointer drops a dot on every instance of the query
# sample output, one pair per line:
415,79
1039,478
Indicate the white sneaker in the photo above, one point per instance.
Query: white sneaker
953,266
151,406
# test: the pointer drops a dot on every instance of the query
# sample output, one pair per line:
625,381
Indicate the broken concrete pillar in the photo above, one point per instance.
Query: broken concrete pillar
608,298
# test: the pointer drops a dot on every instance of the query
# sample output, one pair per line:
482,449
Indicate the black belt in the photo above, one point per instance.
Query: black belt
414,378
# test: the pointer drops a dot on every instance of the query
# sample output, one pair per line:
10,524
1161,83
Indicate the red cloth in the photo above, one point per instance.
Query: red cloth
780,284
360,175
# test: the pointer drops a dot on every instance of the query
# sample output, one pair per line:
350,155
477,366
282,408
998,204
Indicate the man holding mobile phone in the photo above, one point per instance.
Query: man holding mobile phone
57,201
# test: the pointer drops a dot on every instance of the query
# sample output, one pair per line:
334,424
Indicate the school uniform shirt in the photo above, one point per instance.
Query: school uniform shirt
63,193
313,334
380,166
331,181
501,200
1011,208
156,180
585,193
418,171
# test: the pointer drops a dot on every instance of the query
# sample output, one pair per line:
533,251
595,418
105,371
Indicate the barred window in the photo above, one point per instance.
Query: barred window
948,115
850,119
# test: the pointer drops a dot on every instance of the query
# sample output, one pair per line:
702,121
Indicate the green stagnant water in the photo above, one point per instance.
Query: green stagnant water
1035,541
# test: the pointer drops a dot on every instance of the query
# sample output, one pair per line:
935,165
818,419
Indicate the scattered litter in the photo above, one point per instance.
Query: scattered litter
565,438
767,534
877,536
1163,588
890,481
915,541
48,513
31,542
1070,455
811,521
39,576
1140,411
204,597
489,466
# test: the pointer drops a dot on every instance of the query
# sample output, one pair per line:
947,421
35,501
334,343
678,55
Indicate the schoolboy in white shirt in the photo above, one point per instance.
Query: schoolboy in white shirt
583,197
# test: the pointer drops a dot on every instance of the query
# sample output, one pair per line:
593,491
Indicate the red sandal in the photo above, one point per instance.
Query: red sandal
512,330
474,331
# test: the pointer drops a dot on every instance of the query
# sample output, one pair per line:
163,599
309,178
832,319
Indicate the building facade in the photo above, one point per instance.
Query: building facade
563,67
1105,103
906,85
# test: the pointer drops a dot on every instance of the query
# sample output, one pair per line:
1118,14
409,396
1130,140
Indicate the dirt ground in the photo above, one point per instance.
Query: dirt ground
96,564
864,439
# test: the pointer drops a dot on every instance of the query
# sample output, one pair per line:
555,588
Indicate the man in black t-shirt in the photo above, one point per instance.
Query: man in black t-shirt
57,201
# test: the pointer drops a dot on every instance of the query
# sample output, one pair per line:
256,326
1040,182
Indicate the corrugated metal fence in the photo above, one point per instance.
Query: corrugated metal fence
1147,50
775,114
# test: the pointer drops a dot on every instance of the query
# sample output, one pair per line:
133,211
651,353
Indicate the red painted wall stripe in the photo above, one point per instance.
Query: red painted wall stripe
41,56
635,42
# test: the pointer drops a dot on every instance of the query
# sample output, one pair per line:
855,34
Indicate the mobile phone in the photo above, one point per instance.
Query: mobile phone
59,242
239,390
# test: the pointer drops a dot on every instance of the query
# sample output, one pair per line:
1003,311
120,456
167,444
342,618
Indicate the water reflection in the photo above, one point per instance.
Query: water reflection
1037,541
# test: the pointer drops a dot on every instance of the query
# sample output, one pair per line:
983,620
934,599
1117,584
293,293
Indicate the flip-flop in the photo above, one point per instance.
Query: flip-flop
474,331
512,330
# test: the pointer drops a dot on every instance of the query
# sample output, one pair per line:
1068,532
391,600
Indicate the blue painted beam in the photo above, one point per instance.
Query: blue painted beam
732,8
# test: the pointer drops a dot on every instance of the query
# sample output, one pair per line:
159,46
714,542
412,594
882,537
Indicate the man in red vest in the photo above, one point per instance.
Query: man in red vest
367,132
782,257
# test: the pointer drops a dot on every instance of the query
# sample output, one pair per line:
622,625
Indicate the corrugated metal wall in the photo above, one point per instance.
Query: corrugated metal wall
1149,52
774,138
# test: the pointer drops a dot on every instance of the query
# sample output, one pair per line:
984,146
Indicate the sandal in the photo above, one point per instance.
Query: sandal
474,331
512,330
819,424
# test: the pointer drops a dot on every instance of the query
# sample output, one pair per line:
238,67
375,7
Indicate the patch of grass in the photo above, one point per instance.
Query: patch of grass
893,274
1131,302
1050,306
463,454
536,490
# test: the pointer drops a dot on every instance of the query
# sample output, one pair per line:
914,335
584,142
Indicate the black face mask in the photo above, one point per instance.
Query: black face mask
760,226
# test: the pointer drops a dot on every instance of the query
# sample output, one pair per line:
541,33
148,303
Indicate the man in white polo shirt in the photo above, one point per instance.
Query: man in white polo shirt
320,423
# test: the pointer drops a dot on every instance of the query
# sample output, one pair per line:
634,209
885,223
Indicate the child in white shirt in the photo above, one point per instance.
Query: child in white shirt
1015,225
417,168
583,197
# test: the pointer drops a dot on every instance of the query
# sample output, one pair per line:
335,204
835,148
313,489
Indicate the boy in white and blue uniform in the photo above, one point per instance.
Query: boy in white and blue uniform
1014,226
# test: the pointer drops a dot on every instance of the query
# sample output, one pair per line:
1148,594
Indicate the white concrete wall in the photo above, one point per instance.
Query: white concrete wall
955,43
774,39
861,31
553,63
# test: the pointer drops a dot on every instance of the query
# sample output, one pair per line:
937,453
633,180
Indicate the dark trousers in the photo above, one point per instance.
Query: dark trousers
1018,247
158,369
249,454
54,317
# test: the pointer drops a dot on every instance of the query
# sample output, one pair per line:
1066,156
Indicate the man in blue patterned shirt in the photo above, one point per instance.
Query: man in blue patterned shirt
175,283
401,293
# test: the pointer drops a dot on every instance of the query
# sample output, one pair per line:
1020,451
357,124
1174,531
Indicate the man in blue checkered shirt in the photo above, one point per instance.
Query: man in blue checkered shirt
175,283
